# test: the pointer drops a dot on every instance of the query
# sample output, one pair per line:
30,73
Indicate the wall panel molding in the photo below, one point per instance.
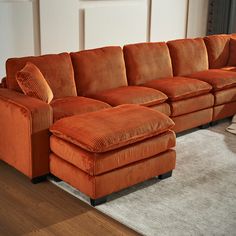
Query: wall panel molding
168,19
115,25
59,26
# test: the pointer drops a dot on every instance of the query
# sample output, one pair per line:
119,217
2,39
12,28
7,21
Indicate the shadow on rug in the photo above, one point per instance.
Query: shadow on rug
199,199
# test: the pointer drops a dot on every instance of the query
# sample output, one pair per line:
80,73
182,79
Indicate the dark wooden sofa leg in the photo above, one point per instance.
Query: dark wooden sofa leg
56,179
98,201
166,175
206,126
213,123
39,179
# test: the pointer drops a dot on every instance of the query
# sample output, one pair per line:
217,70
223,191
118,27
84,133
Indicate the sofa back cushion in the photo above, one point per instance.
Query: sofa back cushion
146,62
56,68
232,52
188,56
99,69
218,50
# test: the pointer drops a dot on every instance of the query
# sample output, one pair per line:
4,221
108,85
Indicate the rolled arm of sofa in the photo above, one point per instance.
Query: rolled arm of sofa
24,136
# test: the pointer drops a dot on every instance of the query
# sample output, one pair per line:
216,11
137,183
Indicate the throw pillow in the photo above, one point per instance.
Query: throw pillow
33,83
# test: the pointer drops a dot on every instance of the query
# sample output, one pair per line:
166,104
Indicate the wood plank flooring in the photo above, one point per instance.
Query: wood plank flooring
44,209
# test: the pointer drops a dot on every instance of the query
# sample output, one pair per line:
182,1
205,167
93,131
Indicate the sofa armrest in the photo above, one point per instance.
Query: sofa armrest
24,136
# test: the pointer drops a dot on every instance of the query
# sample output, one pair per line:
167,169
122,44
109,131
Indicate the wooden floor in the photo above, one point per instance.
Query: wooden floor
44,209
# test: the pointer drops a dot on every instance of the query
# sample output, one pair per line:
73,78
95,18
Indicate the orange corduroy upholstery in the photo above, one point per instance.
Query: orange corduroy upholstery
192,120
147,61
191,104
131,95
101,74
217,78
149,65
24,136
232,52
225,96
131,142
163,108
104,184
98,163
177,88
69,106
112,128
99,69
56,68
3,83
224,110
218,50
188,56
229,68
33,83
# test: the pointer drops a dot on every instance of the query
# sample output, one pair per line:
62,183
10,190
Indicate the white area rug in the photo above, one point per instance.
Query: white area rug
199,199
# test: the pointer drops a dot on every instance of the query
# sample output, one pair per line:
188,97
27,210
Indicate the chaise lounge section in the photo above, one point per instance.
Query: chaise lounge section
112,149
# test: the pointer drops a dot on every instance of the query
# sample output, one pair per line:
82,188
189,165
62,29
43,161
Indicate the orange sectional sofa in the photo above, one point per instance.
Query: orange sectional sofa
193,81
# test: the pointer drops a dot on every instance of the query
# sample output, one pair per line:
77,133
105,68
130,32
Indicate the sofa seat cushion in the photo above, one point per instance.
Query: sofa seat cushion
229,68
218,79
98,163
70,106
131,95
189,105
177,88
112,128
225,96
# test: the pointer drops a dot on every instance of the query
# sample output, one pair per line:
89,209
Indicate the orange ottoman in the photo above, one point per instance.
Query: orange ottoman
109,150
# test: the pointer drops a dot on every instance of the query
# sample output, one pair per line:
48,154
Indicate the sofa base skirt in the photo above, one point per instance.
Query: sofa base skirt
224,110
102,185
192,120
163,107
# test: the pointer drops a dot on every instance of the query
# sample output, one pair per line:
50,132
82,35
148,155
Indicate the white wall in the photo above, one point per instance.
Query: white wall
59,25
33,27
113,22
197,18
169,19
19,31
115,25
